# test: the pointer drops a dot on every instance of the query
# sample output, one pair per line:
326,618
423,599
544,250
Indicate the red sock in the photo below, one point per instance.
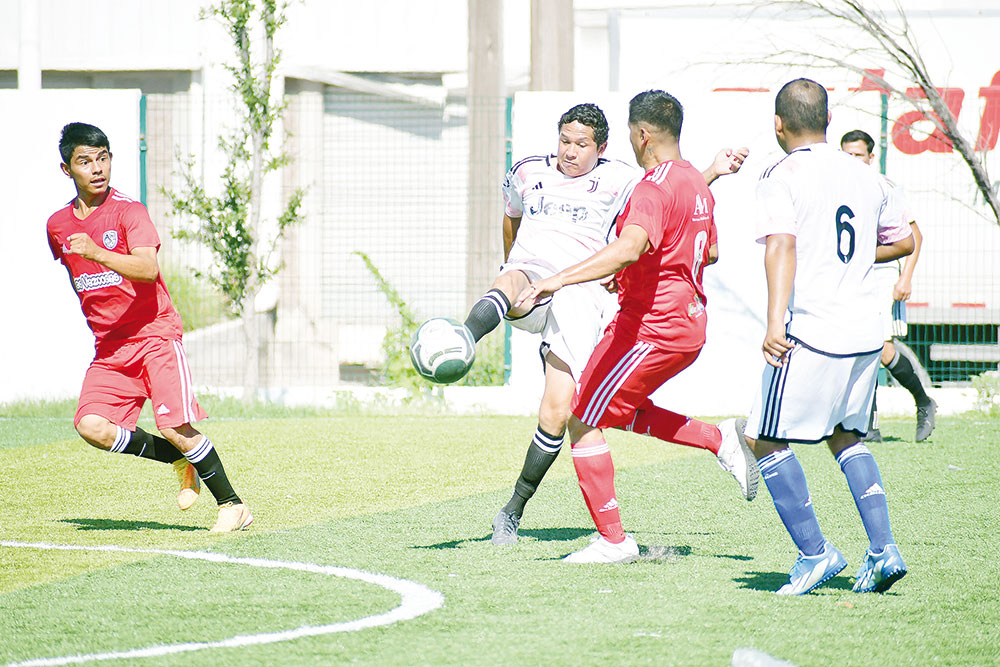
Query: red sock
675,428
596,473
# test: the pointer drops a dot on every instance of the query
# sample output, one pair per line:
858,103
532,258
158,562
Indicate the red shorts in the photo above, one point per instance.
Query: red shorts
620,376
120,380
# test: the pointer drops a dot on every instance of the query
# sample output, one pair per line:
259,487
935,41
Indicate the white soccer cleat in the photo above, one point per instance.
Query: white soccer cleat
736,458
602,551
232,517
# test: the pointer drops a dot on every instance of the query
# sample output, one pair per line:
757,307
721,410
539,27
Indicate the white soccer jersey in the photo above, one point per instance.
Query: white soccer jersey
564,220
838,209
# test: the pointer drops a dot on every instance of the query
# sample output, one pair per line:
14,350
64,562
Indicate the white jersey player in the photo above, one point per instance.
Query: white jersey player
564,220
836,209
825,219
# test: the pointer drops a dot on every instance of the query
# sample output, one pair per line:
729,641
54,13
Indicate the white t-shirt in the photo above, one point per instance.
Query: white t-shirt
838,209
564,220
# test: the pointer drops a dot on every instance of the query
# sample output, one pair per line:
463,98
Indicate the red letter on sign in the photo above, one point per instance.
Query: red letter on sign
937,142
989,127
868,84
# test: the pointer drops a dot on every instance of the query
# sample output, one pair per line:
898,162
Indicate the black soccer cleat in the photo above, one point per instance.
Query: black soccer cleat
504,528
925,420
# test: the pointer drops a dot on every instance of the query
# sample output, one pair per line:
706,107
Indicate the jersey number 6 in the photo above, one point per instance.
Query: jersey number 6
845,214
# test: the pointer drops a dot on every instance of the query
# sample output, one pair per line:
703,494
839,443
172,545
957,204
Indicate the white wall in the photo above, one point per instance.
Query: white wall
45,345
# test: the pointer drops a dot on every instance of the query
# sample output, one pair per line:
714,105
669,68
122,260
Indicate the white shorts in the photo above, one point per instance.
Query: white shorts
571,322
804,400
893,312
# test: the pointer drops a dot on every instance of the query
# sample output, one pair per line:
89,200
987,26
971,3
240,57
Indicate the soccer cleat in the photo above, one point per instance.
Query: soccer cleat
925,420
874,435
880,571
736,458
232,517
504,528
602,551
812,571
190,484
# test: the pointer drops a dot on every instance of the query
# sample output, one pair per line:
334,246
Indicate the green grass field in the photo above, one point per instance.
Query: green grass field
412,497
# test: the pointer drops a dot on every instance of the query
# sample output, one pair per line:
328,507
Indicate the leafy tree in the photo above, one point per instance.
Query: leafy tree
230,224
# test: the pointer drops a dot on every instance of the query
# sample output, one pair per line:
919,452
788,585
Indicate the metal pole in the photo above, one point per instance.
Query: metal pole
509,145
883,143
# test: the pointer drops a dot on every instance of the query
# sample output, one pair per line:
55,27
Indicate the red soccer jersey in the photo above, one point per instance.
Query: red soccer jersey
661,295
117,309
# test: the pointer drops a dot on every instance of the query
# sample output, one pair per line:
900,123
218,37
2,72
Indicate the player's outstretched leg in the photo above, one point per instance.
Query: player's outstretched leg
818,560
487,313
103,434
882,565
542,451
723,440
200,452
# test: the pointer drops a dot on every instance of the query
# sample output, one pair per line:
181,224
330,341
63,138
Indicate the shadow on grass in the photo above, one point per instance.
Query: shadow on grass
772,581
541,534
118,524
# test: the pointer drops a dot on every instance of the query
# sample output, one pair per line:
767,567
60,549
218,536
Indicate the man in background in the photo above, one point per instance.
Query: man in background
895,280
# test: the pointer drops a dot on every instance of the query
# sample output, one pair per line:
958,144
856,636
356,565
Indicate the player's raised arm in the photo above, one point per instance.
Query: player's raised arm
727,161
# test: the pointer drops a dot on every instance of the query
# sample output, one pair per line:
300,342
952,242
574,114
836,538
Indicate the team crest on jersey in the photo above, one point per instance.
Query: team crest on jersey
110,239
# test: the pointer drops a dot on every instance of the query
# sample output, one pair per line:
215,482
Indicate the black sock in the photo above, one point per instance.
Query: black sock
902,370
542,452
206,461
145,445
487,313
873,417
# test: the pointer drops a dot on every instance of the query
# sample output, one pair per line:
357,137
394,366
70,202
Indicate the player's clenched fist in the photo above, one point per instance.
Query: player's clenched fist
776,346
81,244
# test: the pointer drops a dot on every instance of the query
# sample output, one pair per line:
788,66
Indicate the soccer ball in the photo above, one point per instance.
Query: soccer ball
442,350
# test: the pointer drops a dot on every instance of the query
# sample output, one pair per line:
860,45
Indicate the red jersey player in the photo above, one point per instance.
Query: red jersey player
666,237
108,245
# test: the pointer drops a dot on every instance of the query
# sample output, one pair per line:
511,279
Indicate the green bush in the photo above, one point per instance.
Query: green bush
199,304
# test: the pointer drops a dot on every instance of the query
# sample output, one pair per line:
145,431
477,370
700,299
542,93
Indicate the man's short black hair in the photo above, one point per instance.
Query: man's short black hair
591,116
80,134
802,106
858,135
659,109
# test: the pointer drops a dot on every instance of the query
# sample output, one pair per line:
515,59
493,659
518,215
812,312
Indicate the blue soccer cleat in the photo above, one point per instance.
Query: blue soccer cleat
812,571
880,571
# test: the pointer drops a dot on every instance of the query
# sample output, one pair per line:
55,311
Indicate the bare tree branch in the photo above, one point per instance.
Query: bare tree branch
898,44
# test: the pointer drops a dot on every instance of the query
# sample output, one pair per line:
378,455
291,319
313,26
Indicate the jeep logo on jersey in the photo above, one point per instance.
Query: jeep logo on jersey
110,239
558,210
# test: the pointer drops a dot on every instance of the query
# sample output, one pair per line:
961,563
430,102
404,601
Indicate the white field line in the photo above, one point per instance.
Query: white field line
416,600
